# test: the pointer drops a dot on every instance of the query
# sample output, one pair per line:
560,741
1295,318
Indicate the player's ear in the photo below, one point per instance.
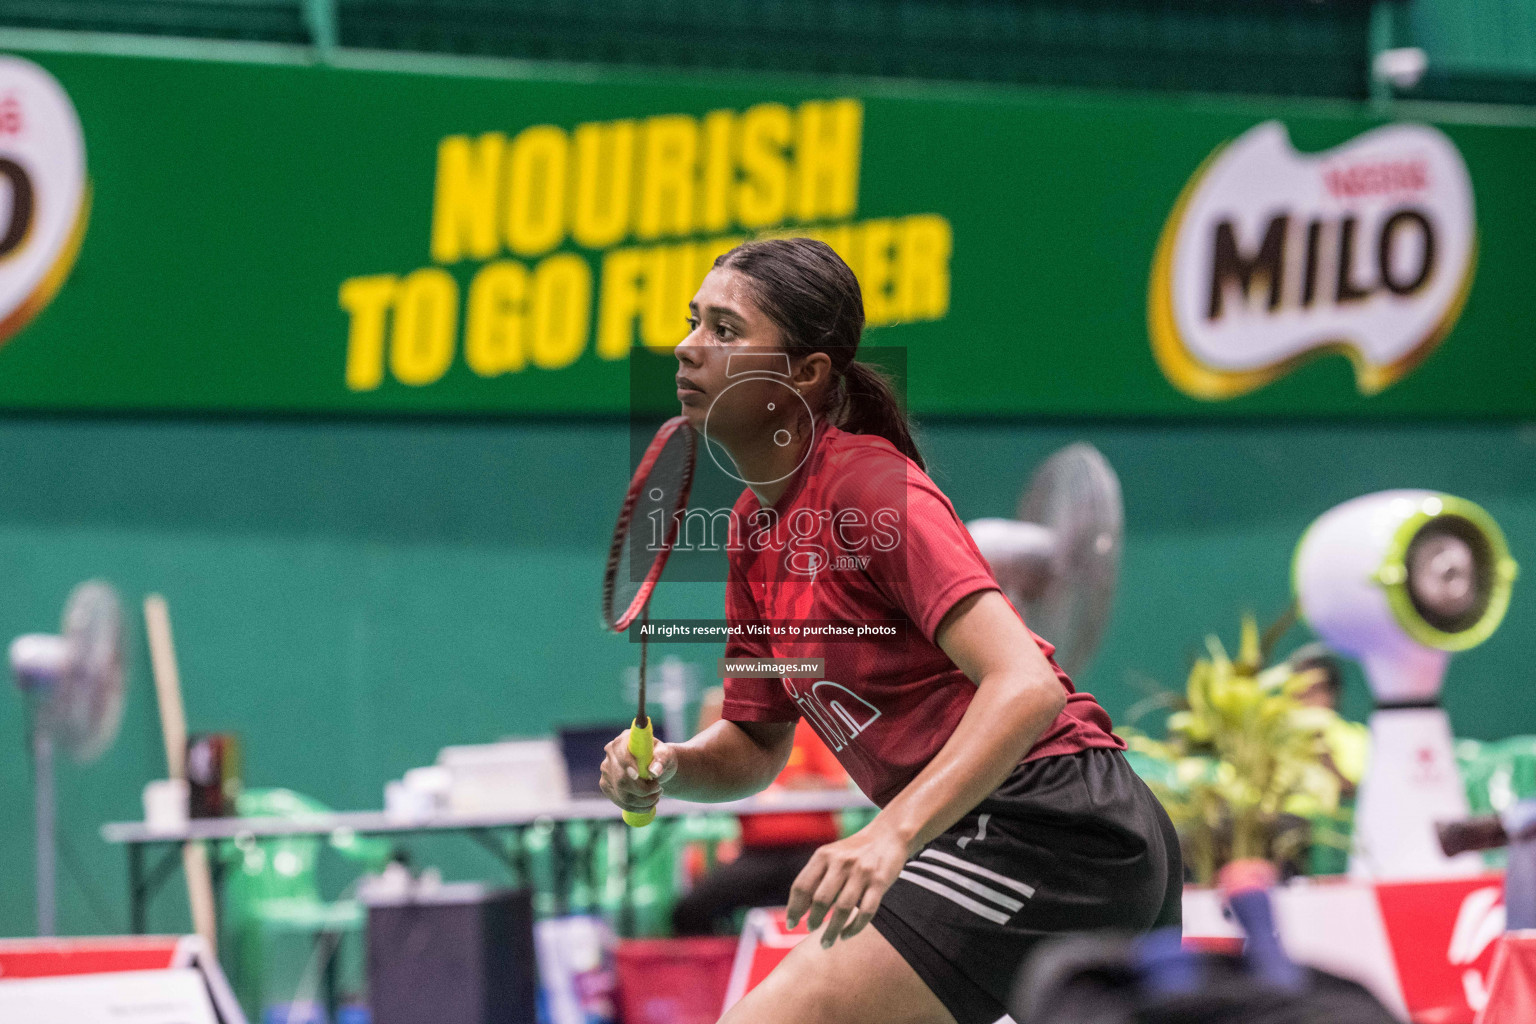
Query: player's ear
814,370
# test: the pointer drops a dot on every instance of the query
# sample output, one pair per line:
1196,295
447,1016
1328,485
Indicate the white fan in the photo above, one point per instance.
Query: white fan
1059,561
74,684
1401,580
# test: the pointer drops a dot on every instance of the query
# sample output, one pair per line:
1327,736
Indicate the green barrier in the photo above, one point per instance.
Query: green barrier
629,877
275,917
1499,773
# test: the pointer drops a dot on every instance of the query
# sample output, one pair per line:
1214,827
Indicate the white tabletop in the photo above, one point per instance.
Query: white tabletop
377,822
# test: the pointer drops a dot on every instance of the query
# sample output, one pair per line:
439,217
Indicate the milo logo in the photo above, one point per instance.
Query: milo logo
44,193
1272,257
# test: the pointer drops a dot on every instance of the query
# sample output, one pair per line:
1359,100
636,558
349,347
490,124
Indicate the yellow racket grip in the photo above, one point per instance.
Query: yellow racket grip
642,745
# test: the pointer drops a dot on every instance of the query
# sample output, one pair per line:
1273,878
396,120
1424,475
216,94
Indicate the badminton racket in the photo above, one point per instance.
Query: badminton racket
649,522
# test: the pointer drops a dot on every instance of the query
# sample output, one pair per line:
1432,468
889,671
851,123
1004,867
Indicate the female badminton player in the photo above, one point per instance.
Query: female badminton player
1008,814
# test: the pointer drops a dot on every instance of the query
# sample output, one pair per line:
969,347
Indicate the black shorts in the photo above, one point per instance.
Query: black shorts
1070,843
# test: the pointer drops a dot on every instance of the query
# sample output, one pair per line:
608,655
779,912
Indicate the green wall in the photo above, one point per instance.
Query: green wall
352,596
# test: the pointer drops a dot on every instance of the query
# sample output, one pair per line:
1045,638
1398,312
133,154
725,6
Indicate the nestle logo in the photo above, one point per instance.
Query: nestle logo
10,115
1377,178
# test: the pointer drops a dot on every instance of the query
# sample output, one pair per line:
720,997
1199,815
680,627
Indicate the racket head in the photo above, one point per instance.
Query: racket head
661,483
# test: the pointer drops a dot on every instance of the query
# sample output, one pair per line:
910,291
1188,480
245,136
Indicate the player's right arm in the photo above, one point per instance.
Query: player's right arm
727,761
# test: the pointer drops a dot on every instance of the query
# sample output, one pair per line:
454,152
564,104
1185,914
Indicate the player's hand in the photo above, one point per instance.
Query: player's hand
621,776
845,881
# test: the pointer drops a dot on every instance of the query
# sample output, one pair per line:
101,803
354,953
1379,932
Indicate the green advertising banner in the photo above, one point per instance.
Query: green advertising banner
205,235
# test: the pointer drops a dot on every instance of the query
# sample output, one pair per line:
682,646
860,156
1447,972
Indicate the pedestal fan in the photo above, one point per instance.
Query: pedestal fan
73,684
1059,560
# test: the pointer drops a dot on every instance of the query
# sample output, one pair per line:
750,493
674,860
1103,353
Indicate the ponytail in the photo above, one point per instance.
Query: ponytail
808,291
869,406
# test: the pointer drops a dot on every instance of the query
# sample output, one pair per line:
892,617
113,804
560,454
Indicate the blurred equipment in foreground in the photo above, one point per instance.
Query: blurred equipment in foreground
674,981
1400,580
1104,979
73,684
282,939
145,979
505,777
449,952
1498,774
213,774
1059,560
1512,978
577,970
1516,829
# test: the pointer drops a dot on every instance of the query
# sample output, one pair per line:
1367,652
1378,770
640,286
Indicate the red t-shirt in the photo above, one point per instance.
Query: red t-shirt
862,536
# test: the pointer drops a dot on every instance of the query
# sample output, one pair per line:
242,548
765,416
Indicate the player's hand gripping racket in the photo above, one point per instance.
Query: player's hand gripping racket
649,521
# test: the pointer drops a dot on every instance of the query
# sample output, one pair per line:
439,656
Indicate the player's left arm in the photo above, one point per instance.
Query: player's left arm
1018,696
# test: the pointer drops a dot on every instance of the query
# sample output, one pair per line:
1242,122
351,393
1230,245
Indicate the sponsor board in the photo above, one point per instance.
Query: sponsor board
278,238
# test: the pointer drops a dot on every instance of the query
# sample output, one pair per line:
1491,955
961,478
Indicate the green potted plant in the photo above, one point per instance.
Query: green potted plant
1244,770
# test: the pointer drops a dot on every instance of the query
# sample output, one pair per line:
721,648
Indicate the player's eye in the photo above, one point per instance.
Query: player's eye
692,322
725,331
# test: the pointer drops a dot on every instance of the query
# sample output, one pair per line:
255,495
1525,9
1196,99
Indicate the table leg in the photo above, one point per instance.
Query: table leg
520,862
332,956
560,857
626,922
216,879
136,908
589,865
143,886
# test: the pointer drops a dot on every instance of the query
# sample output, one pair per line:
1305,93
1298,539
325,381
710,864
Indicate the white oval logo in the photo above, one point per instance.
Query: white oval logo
1271,257
44,193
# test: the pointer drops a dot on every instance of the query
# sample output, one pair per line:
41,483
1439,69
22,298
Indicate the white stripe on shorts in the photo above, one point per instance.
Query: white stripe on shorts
943,858
1006,902
979,909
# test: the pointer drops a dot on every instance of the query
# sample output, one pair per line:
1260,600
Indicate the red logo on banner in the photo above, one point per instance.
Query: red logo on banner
1443,936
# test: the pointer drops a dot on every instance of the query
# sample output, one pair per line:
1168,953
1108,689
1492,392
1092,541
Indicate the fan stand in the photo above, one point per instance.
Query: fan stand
45,654
43,811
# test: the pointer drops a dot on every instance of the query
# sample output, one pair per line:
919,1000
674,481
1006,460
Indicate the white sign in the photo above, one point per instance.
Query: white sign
44,195
1272,257
177,996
